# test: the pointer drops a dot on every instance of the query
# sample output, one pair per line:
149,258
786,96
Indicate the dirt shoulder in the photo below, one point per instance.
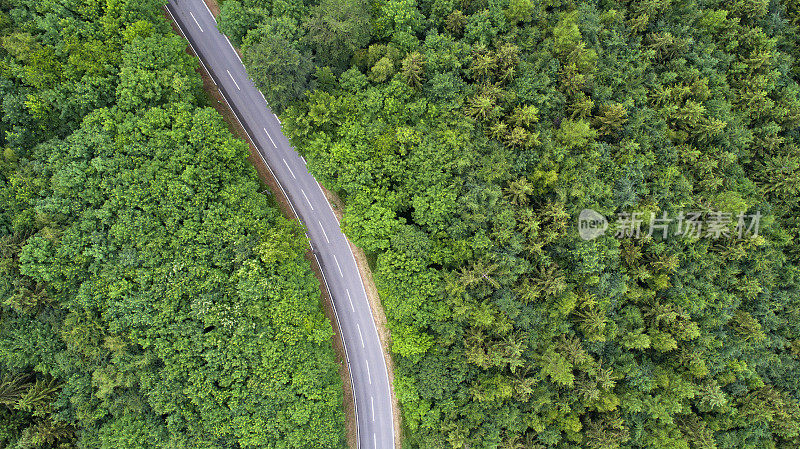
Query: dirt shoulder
213,7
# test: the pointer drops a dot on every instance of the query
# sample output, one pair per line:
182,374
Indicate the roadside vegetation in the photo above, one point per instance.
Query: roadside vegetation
151,294
466,137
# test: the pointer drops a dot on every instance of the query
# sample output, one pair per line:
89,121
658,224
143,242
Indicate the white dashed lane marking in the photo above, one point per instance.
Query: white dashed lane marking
291,172
338,266
323,231
234,81
270,138
307,200
360,335
195,21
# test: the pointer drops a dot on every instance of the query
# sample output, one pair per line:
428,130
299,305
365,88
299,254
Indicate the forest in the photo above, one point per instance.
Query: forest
151,293
466,137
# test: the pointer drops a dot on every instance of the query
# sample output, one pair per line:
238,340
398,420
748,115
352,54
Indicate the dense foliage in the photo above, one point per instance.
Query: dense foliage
466,136
152,296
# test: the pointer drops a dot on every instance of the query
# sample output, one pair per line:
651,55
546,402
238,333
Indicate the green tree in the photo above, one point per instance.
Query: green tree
279,70
336,29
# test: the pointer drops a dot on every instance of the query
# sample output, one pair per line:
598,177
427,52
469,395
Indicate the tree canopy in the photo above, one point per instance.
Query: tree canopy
152,296
467,136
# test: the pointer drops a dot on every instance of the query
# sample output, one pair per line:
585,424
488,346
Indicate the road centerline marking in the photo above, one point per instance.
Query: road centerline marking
338,266
372,406
270,138
351,300
360,335
369,377
195,21
232,79
291,172
323,231
308,201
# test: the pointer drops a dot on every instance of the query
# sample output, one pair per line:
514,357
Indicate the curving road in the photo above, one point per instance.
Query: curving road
368,372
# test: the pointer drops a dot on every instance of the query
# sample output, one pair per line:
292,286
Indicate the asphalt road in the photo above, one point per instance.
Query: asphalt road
368,370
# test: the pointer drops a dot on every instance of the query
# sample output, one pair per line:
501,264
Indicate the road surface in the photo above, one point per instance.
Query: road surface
368,372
